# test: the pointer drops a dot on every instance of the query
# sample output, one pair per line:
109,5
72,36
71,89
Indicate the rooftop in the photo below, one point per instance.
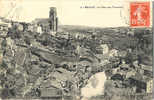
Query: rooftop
141,78
52,92
41,21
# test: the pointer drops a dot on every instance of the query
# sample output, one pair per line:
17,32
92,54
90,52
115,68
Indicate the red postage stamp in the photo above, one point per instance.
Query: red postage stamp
140,14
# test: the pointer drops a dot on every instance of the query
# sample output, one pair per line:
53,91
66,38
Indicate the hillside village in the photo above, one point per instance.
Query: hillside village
43,60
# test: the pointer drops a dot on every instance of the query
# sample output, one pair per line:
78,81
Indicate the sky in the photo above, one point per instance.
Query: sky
69,11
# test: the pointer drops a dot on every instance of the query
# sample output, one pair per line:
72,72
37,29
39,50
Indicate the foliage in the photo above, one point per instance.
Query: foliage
3,64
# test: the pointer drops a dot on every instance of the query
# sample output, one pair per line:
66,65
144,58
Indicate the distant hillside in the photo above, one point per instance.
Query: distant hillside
78,28
142,38
89,28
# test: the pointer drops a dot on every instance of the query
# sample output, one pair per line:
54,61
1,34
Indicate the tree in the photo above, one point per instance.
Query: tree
4,65
4,43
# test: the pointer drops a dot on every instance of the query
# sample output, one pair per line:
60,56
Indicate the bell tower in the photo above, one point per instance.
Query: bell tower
53,19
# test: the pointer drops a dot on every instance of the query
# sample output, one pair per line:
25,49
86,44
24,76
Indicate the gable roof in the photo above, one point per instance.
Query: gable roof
41,21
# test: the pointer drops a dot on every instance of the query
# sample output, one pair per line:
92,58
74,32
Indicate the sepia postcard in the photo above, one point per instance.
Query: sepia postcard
76,49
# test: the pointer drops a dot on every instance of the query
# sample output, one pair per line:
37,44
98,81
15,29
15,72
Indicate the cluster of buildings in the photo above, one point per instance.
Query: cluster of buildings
48,24
139,78
39,25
